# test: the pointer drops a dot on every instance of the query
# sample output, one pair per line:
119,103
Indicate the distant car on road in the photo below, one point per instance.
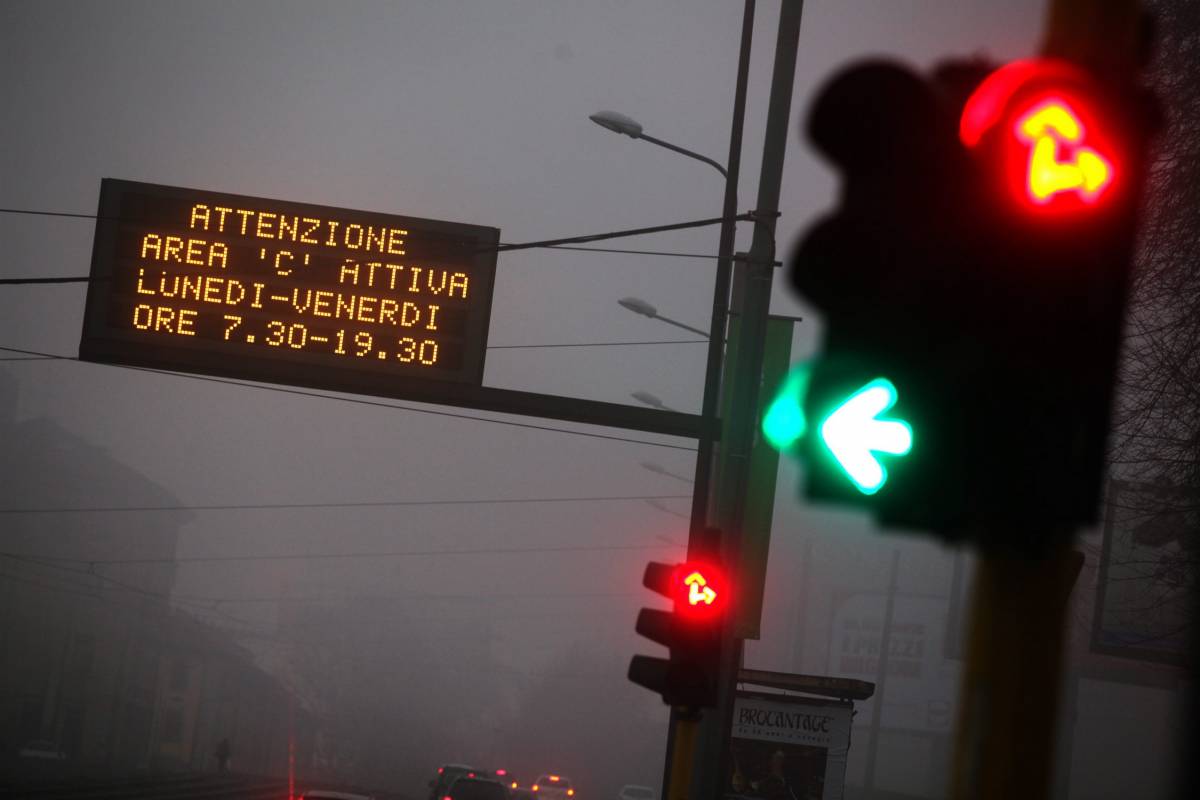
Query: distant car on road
447,774
41,750
328,794
634,792
517,789
476,789
553,787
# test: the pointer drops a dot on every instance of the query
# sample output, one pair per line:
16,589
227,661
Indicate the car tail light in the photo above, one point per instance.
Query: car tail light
501,772
470,774
441,770
447,797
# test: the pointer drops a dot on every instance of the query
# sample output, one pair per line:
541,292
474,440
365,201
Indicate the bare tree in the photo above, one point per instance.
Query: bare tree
1156,435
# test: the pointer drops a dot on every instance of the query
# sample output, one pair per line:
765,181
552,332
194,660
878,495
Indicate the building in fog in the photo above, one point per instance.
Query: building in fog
95,662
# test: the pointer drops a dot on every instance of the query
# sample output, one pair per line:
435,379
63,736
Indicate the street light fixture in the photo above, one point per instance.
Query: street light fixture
639,306
619,123
649,399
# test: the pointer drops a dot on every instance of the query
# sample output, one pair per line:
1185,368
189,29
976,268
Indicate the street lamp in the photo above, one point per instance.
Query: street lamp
639,306
619,123
649,399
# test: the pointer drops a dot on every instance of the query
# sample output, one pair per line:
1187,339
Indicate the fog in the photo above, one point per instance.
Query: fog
394,586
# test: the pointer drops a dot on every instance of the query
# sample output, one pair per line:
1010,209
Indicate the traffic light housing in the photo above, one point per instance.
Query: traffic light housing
973,281
691,630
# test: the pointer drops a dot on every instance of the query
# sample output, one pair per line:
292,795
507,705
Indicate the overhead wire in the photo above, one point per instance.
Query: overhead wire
593,344
210,604
358,401
349,504
503,247
346,555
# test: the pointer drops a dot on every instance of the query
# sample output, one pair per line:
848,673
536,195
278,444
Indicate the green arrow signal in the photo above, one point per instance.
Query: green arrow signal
853,433
783,425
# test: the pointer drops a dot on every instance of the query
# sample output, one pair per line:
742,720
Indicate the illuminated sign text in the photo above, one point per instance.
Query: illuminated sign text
286,292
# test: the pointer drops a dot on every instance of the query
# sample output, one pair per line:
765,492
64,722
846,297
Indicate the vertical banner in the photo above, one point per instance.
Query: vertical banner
784,747
764,467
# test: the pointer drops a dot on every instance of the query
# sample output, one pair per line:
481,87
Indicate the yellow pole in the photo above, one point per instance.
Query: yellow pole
1009,698
687,725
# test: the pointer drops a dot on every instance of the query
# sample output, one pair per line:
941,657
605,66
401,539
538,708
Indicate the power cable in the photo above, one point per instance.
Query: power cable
591,344
357,401
364,504
339,556
499,248
204,602
91,573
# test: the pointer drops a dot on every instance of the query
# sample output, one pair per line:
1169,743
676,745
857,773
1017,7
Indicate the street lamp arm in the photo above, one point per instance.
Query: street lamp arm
688,153
670,321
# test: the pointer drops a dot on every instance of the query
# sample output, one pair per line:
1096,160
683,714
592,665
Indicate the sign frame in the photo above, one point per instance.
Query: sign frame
810,759
105,342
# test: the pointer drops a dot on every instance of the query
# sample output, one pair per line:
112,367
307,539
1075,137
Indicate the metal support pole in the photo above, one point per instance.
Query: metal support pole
709,778
885,644
1009,697
681,730
697,542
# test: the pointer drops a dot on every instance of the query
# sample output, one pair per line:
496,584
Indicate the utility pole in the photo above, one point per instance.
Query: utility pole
683,726
712,735
885,644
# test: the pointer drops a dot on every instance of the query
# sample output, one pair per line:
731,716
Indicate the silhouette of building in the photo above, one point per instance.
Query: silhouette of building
94,659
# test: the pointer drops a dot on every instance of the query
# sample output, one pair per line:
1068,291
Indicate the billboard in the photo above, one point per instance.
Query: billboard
284,292
919,690
785,747
1145,575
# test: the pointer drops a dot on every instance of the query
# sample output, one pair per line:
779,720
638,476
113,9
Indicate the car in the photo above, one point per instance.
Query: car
632,791
329,794
553,787
517,788
447,774
478,788
41,750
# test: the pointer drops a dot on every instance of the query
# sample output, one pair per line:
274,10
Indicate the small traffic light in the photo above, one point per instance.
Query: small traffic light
973,281
691,631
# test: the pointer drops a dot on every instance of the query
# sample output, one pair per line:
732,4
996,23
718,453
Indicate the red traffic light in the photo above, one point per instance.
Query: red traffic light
698,590
1056,154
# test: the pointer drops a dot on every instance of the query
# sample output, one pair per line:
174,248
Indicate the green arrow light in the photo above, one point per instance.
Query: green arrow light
853,433
783,425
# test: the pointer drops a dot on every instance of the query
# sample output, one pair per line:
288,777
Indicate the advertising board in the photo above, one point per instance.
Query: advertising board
786,747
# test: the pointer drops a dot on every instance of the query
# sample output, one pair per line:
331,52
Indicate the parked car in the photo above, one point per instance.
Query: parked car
632,791
553,787
447,774
518,789
41,750
466,788
329,794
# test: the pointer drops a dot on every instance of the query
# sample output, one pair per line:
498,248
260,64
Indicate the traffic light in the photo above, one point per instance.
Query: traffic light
973,281
691,630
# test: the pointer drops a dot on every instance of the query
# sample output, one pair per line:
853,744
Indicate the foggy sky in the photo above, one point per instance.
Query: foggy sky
473,112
